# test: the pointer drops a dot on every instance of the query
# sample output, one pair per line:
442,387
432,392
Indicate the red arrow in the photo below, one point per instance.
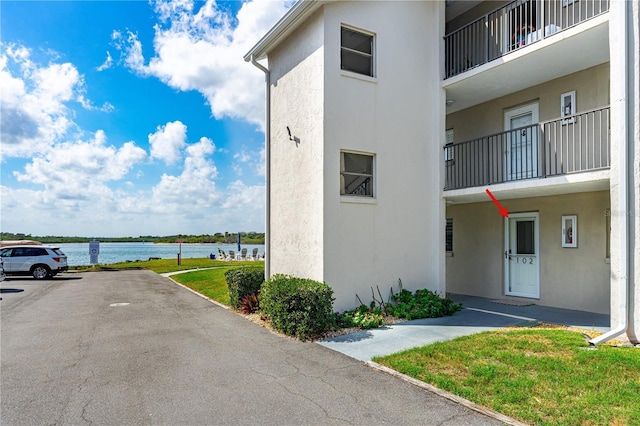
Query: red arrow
503,211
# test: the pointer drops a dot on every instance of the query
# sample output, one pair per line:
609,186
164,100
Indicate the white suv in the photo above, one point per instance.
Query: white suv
36,260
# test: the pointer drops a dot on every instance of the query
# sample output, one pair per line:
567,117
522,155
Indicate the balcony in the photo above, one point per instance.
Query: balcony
573,47
568,145
512,27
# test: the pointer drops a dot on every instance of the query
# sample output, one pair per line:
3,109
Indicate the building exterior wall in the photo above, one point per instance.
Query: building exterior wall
592,91
396,116
399,116
572,278
297,86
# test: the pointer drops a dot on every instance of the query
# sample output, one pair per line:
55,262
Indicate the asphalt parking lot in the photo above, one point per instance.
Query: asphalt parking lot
134,348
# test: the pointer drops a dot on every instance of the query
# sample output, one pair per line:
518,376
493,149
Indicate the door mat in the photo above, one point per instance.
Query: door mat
513,302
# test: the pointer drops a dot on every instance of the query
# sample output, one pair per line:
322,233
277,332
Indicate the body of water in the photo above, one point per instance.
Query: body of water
78,253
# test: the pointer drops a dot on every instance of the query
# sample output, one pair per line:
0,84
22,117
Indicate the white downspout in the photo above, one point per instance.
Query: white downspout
267,171
623,190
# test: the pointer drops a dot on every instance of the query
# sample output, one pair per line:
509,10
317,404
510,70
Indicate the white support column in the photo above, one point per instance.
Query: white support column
624,45
633,135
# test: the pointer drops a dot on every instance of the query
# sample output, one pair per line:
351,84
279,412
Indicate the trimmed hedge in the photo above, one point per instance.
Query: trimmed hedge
243,282
297,306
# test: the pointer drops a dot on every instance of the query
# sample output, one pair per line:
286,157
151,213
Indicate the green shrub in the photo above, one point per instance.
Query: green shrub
364,317
422,304
243,282
297,306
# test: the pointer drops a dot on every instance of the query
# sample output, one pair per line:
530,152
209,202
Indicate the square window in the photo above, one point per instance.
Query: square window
356,51
356,174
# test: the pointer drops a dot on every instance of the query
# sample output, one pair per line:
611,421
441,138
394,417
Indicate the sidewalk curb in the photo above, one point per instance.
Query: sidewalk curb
454,398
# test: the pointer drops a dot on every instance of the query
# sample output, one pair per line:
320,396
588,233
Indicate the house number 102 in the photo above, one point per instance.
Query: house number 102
525,260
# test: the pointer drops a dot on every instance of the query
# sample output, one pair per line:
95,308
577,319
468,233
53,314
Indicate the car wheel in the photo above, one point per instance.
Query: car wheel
40,272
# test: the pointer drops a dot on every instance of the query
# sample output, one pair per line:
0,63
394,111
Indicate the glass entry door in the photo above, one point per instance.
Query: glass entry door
521,256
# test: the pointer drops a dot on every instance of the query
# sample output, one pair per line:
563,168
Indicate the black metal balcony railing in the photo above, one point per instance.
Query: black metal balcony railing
570,144
511,27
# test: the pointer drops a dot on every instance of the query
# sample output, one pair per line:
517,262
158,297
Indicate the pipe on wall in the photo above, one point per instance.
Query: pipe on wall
267,170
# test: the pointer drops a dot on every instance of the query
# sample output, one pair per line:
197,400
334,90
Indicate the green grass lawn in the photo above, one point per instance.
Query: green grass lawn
162,266
539,376
210,282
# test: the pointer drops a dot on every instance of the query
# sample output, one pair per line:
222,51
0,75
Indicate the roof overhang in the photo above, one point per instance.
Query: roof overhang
294,17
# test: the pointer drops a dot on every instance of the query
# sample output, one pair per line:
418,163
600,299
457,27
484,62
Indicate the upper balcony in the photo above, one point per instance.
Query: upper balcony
519,158
520,44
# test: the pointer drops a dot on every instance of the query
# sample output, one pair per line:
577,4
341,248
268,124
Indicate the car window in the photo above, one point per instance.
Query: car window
58,252
5,252
35,251
19,252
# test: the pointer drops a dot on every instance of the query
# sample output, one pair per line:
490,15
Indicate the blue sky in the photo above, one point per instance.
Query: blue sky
128,118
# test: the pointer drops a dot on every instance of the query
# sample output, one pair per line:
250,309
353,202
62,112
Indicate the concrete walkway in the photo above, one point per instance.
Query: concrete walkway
478,315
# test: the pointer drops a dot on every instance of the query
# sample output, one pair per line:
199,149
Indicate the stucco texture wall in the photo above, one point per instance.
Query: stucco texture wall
397,117
571,278
296,165
592,91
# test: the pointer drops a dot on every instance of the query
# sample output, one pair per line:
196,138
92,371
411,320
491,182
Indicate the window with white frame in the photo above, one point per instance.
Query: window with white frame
356,51
356,174
448,146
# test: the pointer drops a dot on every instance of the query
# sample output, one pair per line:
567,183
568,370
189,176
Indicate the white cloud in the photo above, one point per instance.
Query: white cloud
34,113
195,186
201,50
168,141
77,199
35,102
249,159
81,169
88,105
76,184
108,63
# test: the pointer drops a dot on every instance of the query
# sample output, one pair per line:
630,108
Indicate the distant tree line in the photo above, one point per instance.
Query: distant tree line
217,238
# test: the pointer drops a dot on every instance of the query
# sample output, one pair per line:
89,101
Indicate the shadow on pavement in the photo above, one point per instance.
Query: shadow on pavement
46,280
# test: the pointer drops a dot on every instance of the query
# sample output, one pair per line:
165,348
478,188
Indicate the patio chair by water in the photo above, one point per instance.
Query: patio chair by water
232,255
223,255
243,254
254,254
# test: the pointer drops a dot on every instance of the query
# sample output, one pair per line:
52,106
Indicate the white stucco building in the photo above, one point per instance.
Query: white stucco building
387,122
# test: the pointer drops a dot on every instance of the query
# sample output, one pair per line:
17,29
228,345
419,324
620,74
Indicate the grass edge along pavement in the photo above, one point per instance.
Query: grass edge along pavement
545,375
535,375
162,266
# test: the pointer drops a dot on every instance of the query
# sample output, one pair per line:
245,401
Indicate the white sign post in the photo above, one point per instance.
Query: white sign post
94,251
